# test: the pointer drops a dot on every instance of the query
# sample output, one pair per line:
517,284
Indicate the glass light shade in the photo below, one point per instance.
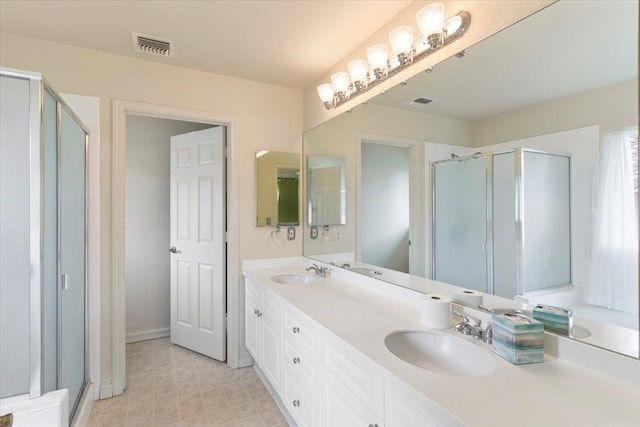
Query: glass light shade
340,81
431,19
378,55
358,69
325,92
401,39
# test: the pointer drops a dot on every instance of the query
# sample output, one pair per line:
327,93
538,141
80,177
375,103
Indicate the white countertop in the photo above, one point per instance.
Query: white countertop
555,393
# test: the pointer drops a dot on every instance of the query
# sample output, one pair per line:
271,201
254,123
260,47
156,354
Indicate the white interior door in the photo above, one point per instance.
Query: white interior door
197,200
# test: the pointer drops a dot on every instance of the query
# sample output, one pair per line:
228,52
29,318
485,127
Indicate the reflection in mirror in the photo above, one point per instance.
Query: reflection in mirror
534,235
326,190
277,188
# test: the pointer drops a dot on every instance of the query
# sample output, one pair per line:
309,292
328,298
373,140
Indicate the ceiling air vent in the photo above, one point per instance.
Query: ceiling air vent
152,45
419,102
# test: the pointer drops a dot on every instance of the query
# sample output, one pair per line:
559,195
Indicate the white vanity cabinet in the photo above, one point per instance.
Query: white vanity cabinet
322,381
263,333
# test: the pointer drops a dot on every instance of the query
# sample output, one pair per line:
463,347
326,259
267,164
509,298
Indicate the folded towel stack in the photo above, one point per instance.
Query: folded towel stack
518,338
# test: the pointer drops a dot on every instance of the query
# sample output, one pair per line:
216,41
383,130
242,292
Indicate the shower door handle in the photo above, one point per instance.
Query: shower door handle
65,282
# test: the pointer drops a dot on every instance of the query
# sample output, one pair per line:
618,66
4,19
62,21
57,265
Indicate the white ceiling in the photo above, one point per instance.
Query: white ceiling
286,43
568,48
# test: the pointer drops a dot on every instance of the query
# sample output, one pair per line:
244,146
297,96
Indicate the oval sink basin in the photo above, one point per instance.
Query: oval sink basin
443,354
294,279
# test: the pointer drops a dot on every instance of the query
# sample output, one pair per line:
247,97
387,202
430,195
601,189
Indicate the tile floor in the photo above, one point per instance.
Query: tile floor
168,385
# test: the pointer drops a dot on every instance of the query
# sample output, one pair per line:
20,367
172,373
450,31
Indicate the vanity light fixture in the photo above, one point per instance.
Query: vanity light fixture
363,75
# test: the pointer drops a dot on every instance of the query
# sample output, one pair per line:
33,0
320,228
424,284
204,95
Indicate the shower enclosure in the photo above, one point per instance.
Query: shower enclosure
502,221
43,245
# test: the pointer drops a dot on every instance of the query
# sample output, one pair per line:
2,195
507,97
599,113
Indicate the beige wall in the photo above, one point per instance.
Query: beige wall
487,18
266,117
610,107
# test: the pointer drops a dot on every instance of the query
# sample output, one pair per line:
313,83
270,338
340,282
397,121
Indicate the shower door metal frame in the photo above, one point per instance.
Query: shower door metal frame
488,246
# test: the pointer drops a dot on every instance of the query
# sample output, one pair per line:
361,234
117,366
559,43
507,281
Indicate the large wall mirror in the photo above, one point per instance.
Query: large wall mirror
277,188
492,170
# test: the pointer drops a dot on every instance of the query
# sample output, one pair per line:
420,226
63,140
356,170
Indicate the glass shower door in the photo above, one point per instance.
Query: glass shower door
71,353
460,222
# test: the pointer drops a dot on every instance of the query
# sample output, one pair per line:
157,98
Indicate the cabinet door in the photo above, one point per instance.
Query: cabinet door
251,328
271,349
341,409
302,402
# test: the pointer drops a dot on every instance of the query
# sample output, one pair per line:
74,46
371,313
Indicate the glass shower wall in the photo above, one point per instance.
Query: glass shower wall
460,222
502,221
43,241
72,208
545,211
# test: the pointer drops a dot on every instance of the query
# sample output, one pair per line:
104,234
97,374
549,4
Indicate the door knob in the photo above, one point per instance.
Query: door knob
173,250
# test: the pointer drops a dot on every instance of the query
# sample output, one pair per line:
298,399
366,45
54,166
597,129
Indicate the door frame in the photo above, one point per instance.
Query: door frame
118,169
417,191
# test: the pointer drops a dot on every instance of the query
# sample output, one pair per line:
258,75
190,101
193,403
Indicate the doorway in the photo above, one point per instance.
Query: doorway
122,111
148,223
391,203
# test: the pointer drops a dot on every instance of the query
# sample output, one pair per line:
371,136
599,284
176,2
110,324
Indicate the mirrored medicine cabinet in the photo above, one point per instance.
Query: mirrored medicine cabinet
277,189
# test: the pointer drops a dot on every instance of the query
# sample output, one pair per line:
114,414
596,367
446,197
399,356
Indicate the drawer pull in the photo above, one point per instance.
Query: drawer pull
296,403
255,312
259,313
296,330
373,425
296,360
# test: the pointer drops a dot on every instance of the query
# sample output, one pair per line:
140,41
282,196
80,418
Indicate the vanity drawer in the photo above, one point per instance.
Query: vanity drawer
357,374
302,400
405,408
301,330
302,362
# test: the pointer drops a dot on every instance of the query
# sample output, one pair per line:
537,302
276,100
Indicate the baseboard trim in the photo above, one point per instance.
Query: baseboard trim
147,334
106,391
84,409
245,360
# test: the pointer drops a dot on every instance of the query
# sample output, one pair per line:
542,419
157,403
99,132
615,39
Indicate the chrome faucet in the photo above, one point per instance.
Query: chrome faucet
472,326
319,271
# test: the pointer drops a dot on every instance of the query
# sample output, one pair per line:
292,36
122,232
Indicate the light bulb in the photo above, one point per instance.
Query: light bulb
401,39
340,82
378,55
431,19
358,69
325,91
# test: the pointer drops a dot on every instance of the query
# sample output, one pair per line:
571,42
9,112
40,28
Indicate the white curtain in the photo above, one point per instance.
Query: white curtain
613,280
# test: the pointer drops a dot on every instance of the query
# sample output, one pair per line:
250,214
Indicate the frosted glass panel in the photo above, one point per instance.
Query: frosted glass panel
14,236
460,217
546,221
50,244
504,225
72,258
